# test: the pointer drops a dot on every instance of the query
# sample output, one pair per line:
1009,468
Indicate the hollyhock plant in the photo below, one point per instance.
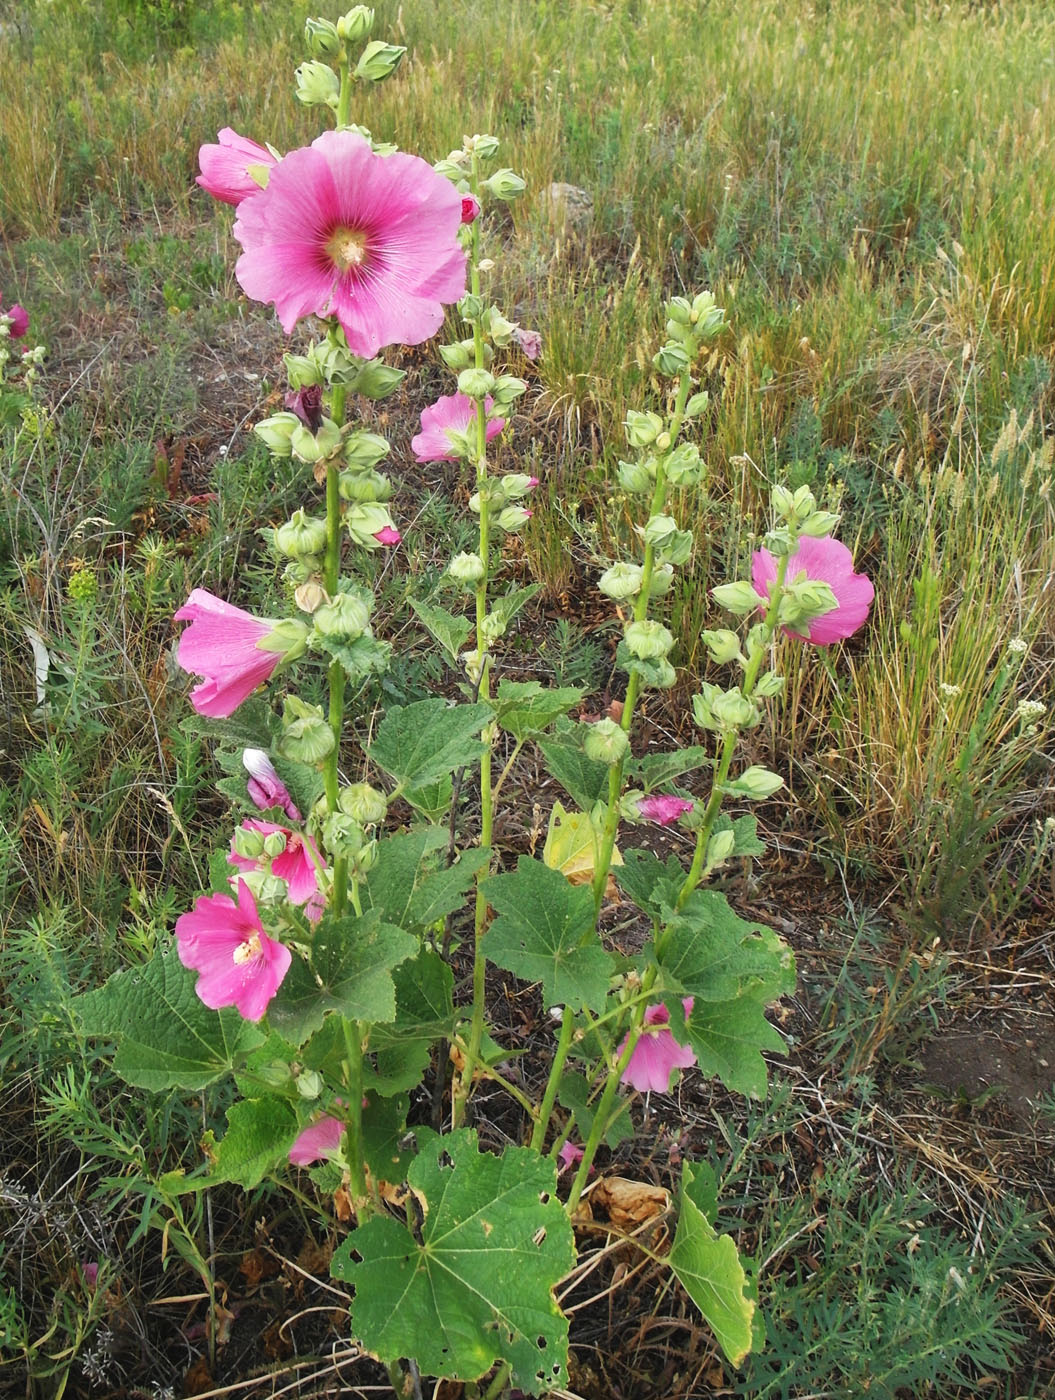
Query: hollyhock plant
226,944
315,1143
226,646
18,317
657,1054
662,809
236,168
470,208
266,788
297,864
369,239
389,536
823,560
452,414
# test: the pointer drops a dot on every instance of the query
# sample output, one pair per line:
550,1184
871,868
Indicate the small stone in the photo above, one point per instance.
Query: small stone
569,207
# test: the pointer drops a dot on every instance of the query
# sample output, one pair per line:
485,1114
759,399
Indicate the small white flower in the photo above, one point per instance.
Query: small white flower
1018,645
1030,709
949,691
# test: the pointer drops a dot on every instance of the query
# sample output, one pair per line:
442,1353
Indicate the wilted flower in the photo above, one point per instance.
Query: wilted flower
235,169
570,1155
530,343
823,560
226,944
657,1054
454,414
369,239
321,1140
18,317
266,788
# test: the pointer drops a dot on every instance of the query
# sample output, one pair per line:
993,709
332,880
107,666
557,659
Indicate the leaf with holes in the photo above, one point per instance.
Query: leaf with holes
469,1280
166,1037
709,1269
545,933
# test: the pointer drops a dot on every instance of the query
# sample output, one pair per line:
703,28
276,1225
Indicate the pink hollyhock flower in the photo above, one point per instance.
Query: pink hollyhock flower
388,536
470,208
307,405
266,788
226,944
453,413
222,644
825,560
321,1140
228,170
657,1054
570,1155
19,317
530,343
663,810
296,864
90,1270
343,232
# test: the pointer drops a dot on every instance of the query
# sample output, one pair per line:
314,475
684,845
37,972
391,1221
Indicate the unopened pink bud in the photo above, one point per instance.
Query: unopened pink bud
470,208
388,536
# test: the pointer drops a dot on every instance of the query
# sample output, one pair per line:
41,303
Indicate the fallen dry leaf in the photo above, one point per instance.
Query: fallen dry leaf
629,1203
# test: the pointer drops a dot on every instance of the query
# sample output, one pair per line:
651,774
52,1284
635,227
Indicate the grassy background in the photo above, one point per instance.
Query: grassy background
868,191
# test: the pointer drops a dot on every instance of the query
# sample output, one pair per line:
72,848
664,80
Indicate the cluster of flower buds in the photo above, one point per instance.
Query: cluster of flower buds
328,43
347,830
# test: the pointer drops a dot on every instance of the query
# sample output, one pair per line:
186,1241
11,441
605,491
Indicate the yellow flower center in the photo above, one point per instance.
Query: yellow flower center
346,247
249,949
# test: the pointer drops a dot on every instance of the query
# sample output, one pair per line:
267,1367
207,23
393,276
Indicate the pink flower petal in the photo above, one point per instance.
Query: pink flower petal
237,963
470,208
321,1140
453,412
657,1054
295,864
225,168
825,560
221,645
662,809
570,1155
388,536
266,788
369,239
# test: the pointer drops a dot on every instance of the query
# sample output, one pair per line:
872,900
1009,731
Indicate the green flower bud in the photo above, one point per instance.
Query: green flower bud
671,359
365,450
662,579
303,372
512,518
364,803
83,586
466,568
476,383
804,502
302,534
317,83
516,485
697,404
720,847
305,735
363,861
309,1084
342,835
375,380
805,601
505,185
678,310
364,486
628,808
684,467
783,503
486,147
647,640
498,327
677,549
507,388
288,637
274,844
707,318
265,888
344,618
275,433
819,524
722,646
756,783
621,581
315,447
458,356
320,35
660,675
275,1075
606,742
356,24
659,530
248,843
636,477
769,685
734,711
702,704
364,520
738,598
471,307
642,429
378,61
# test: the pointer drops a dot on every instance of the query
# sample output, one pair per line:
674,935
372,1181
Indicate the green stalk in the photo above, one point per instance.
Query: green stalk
714,802
353,1066
615,774
567,1029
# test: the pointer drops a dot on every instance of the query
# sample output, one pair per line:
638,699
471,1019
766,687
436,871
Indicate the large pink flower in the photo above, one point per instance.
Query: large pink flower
454,412
657,1054
296,864
222,644
266,788
321,1140
226,944
825,560
370,239
663,809
228,170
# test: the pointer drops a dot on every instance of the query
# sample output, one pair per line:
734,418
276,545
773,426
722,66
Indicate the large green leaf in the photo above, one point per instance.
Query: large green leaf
411,885
525,708
451,632
259,1134
166,1037
728,1038
424,1015
351,972
709,1269
652,770
582,778
421,743
710,953
470,1280
649,882
544,933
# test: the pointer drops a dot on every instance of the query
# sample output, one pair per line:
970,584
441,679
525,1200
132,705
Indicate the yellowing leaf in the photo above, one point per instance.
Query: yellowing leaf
573,844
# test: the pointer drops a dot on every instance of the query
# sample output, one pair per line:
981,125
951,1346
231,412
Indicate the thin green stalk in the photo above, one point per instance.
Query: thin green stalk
498,1383
714,802
336,674
353,1042
567,1029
